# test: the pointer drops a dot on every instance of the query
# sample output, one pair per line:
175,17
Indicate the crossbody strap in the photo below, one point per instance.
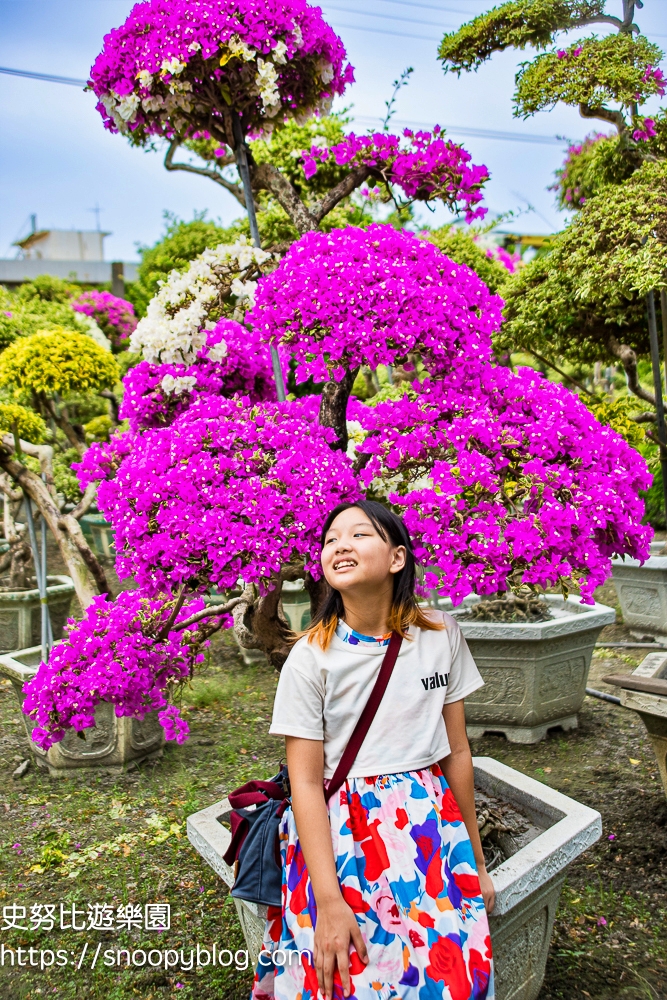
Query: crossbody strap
366,717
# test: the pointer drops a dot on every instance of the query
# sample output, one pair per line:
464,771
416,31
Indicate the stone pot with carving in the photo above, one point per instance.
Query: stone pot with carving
642,593
21,617
113,744
651,708
535,674
528,883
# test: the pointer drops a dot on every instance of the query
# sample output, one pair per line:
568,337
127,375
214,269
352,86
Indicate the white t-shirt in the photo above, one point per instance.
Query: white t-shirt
321,694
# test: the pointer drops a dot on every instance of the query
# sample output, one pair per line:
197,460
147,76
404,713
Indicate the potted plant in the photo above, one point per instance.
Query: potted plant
645,691
641,586
528,880
20,601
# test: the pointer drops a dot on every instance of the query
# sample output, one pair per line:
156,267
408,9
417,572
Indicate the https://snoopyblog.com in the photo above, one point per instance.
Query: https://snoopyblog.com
154,917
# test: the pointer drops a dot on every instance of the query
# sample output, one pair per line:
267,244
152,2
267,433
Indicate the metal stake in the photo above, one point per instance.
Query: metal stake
663,312
241,154
657,388
46,635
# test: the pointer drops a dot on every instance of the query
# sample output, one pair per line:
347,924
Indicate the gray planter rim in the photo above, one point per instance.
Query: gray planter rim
581,618
65,585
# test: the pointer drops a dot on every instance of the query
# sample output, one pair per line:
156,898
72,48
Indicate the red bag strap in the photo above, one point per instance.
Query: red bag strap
365,719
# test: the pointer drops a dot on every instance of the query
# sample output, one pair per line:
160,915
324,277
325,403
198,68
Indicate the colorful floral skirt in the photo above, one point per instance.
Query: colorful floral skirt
406,868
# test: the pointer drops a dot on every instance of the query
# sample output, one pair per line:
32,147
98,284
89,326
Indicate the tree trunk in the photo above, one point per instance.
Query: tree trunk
83,567
333,407
628,359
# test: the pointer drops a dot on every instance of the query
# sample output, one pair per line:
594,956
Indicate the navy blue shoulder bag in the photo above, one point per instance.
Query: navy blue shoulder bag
254,850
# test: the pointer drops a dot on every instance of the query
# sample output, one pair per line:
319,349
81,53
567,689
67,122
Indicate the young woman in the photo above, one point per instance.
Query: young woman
385,891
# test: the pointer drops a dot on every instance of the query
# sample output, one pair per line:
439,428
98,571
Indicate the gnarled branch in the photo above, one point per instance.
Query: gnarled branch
266,177
605,115
234,189
344,188
628,359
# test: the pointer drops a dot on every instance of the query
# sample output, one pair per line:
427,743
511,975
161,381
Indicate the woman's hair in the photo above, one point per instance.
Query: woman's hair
404,608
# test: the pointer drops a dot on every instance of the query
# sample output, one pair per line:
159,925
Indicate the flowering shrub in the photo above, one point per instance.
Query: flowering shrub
175,327
226,489
175,68
120,654
351,297
510,261
232,360
114,316
505,480
427,167
57,361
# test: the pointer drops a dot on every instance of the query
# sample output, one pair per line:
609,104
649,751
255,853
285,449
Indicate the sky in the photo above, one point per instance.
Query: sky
58,162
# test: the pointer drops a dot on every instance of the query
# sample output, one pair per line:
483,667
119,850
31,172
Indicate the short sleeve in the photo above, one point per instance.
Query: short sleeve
464,677
298,709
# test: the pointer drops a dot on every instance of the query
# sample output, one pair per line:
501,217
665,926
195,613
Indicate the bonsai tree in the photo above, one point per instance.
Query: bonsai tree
45,370
584,300
222,73
506,480
114,316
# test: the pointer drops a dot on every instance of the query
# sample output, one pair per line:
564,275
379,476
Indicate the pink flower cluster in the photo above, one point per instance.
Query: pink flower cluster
564,54
428,167
149,399
227,489
368,297
175,64
507,474
655,76
114,316
509,260
646,131
115,654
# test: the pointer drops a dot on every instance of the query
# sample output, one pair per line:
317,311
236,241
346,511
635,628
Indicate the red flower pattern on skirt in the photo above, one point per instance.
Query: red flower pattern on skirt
406,869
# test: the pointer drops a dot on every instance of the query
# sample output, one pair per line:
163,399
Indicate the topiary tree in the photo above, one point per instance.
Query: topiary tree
225,72
44,370
506,480
114,316
585,299
38,305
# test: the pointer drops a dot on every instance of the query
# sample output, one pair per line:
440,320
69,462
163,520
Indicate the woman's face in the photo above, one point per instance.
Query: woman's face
355,555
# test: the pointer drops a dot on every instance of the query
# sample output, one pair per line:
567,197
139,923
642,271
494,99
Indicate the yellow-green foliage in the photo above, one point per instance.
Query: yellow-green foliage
57,361
38,305
616,414
28,424
98,429
519,23
462,249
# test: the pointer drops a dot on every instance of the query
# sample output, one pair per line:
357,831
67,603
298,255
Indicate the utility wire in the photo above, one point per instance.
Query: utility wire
44,76
482,133
392,17
429,6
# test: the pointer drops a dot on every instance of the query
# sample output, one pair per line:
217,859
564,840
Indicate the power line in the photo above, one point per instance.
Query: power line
70,81
482,133
382,31
392,17
429,6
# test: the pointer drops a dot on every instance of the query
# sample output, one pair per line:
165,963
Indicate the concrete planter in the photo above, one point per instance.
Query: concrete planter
642,593
295,601
99,535
21,617
527,885
652,708
535,674
113,744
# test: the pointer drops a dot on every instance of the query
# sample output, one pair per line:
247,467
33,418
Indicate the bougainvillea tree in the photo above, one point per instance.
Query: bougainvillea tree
114,316
505,480
216,73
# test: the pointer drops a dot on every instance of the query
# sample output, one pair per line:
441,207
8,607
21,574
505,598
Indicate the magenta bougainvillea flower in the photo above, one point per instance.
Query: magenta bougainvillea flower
177,68
233,360
114,316
115,654
368,297
425,165
503,478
